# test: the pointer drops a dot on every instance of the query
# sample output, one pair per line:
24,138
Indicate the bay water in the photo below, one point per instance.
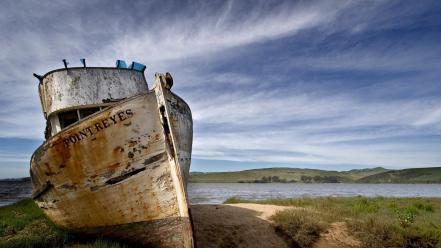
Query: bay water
214,193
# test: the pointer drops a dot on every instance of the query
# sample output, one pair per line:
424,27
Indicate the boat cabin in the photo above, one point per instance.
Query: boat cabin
69,95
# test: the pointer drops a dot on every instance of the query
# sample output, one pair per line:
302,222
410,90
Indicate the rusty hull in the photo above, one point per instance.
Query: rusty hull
121,172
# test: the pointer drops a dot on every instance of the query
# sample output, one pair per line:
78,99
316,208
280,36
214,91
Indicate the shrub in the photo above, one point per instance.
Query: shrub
376,233
303,227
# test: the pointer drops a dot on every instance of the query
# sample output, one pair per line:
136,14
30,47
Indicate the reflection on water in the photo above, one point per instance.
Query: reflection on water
202,193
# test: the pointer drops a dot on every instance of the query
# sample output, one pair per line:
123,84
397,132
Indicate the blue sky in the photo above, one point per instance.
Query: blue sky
314,84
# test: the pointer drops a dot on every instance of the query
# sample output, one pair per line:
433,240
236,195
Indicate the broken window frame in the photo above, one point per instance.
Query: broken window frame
67,118
55,122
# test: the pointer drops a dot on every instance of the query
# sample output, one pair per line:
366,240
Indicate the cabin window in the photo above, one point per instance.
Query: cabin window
67,118
86,112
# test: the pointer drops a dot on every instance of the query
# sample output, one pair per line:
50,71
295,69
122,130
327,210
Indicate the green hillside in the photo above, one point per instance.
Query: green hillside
416,175
283,175
296,175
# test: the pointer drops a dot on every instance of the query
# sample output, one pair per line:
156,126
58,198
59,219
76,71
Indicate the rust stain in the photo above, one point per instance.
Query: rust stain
49,171
69,186
130,155
118,149
132,143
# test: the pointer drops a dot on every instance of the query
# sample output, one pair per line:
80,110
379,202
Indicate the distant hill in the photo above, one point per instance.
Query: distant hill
296,175
416,175
284,175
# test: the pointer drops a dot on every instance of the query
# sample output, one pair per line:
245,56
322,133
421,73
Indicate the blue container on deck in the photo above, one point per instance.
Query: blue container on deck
121,64
138,66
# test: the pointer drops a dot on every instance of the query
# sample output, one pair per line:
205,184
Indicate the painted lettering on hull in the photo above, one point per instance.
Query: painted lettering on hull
97,127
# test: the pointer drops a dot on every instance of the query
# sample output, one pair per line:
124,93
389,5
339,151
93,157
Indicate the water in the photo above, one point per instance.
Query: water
211,193
203,193
14,190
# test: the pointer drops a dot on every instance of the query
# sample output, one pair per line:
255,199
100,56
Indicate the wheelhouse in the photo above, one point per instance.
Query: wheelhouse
70,95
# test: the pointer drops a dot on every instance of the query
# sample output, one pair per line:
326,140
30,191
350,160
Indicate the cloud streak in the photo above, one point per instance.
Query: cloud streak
203,33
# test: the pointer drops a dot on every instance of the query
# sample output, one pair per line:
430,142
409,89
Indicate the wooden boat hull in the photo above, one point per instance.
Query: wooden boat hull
121,172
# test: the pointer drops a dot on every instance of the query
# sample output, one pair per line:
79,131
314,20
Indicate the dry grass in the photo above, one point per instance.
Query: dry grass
301,226
377,222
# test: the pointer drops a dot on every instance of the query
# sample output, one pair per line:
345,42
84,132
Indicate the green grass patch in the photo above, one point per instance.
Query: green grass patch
376,222
23,224
16,217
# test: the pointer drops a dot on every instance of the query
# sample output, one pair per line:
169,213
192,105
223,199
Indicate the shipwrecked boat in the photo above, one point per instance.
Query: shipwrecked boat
117,155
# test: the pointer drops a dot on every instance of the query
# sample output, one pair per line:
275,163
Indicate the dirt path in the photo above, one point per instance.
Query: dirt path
247,225
235,225
337,236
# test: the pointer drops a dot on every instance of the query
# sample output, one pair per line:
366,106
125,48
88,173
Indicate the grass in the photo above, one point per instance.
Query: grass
376,222
23,224
303,227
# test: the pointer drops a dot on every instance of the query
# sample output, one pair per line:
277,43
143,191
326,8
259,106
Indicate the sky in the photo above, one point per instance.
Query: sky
333,85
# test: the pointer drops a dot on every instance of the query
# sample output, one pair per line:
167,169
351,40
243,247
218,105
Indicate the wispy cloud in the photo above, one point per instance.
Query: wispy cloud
209,30
431,118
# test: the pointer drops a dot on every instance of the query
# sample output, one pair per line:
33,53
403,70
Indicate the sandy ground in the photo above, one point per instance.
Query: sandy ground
247,225
235,225
337,236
